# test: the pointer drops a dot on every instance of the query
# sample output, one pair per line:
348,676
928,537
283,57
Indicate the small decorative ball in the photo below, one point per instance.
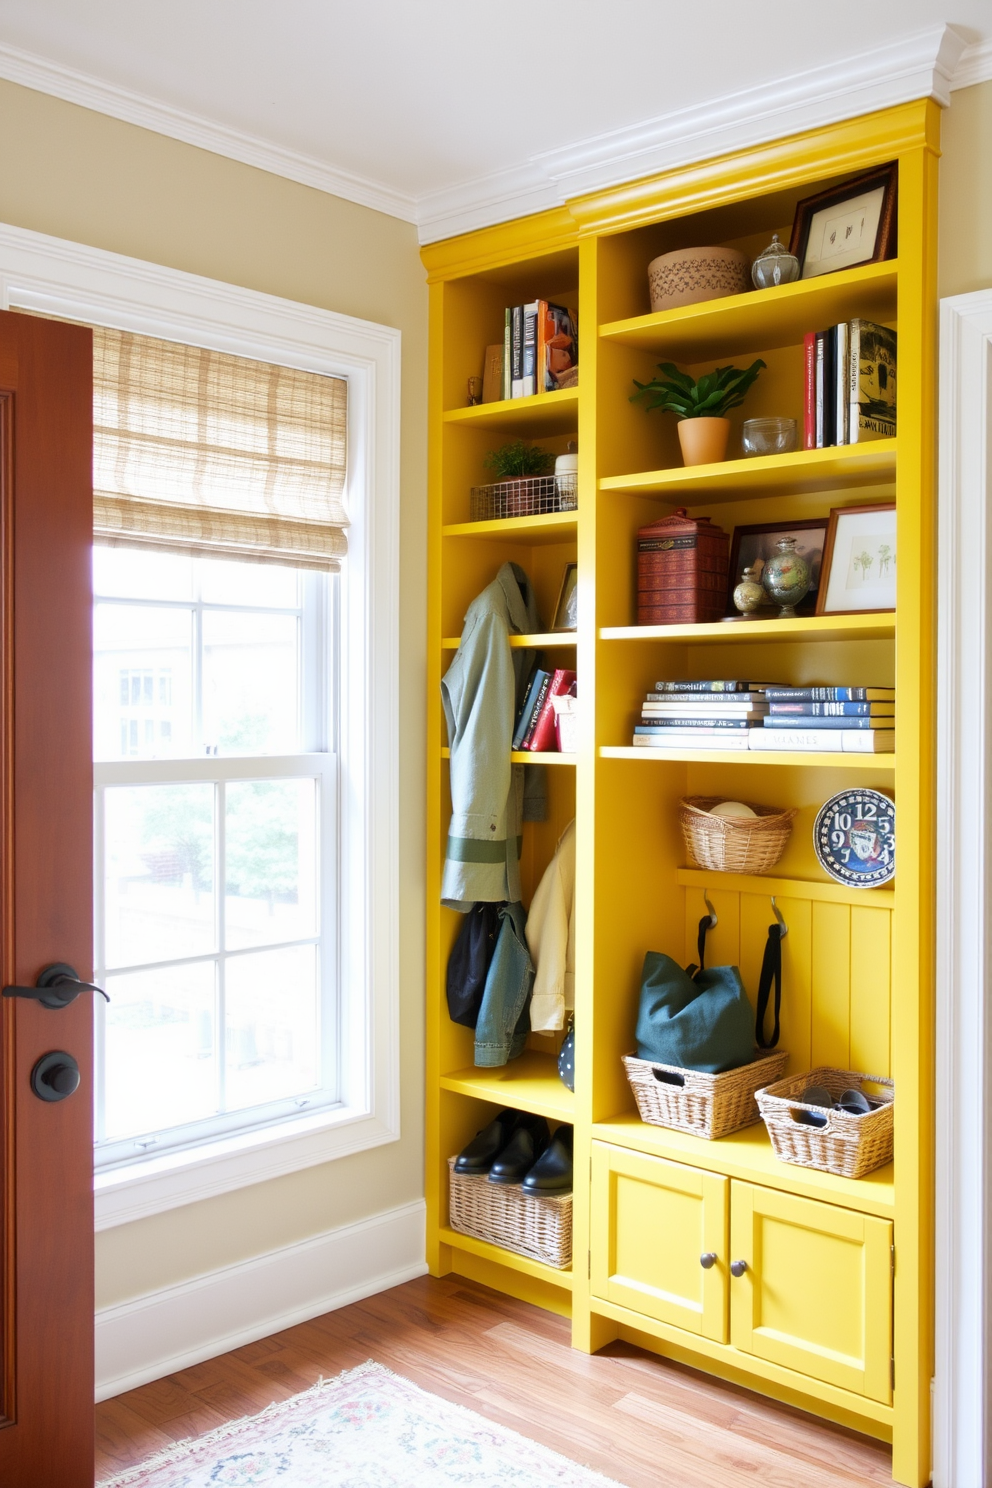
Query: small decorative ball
732,808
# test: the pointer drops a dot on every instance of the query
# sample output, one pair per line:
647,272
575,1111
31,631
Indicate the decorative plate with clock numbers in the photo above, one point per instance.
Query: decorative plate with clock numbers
855,838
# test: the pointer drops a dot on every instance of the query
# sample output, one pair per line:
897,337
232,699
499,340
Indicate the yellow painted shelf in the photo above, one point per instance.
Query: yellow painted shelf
522,642
868,627
748,1155
503,1257
545,413
823,760
847,465
530,1083
528,757
763,319
552,527
824,890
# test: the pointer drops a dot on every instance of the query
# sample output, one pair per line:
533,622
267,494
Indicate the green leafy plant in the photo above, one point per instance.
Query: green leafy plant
712,396
517,459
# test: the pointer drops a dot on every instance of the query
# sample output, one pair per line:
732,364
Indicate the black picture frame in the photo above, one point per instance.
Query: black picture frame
756,540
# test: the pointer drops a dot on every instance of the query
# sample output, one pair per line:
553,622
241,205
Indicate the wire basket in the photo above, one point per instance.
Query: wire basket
703,1105
533,496
847,1145
733,844
535,1225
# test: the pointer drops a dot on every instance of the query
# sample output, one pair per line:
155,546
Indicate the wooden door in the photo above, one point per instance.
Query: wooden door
659,1239
46,900
816,1295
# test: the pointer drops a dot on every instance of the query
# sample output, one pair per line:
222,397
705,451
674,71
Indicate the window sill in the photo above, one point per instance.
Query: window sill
153,1185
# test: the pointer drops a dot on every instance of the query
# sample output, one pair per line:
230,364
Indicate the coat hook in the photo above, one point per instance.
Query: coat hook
778,915
714,920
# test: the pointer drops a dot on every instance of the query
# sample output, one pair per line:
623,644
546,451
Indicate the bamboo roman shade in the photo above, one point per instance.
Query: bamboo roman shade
196,451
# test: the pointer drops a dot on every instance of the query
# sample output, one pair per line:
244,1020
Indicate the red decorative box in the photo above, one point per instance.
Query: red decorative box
682,567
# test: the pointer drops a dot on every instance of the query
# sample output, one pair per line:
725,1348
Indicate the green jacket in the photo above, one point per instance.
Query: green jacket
481,691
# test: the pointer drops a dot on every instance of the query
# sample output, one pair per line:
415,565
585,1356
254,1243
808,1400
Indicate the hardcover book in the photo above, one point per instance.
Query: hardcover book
517,352
708,686
529,354
817,741
872,382
492,374
830,694
557,347
791,722
527,709
542,735
690,741
508,353
841,338
832,710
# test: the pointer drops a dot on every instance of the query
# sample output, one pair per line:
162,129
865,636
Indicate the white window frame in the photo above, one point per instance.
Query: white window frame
61,278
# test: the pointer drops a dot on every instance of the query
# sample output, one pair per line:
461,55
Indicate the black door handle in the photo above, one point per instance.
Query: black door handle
55,1076
58,985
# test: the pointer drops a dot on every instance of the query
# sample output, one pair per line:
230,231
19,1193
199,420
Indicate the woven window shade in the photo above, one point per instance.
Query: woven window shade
200,452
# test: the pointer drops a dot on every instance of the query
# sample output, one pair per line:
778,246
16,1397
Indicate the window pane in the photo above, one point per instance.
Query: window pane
252,584
270,846
159,877
250,683
133,573
161,1049
272,1026
142,681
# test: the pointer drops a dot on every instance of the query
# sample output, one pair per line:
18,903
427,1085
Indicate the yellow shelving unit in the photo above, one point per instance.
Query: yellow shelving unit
821,1316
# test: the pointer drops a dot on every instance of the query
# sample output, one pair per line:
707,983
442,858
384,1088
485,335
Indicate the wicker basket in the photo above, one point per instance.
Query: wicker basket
733,844
849,1146
535,1225
704,1105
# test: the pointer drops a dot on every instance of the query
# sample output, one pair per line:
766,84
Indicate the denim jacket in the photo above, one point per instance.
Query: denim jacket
504,1017
480,692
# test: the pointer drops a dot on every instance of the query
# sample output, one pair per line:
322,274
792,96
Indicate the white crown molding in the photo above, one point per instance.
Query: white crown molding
149,1337
35,72
928,64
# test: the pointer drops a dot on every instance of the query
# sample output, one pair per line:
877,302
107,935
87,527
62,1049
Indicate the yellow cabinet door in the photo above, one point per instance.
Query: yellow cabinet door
652,1222
816,1294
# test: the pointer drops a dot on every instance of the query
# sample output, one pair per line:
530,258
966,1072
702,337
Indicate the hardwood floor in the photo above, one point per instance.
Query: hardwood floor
640,1420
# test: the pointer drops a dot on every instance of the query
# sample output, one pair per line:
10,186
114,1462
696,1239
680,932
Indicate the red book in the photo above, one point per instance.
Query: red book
544,737
809,402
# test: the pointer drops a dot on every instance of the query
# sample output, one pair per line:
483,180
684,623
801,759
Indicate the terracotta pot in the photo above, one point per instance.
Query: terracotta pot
704,440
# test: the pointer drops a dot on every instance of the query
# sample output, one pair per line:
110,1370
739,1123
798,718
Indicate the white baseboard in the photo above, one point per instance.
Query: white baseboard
154,1335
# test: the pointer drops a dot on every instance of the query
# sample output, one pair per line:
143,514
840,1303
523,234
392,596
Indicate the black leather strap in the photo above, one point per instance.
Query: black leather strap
771,969
704,925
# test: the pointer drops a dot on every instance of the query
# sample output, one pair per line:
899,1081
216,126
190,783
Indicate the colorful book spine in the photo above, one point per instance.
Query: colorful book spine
827,723
832,710
527,710
809,401
707,686
829,694
871,382
841,395
707,698
542,736
535,712
648,720
690,741
517,353
508,353
819,380
529,352
815,741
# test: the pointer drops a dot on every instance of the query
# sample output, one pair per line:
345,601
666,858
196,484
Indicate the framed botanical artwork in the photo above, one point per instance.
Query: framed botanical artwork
859,561
753,546
854,223
567,607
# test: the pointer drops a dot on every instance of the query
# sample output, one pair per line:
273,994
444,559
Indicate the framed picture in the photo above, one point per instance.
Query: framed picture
850,224
753,546
567,608
859,561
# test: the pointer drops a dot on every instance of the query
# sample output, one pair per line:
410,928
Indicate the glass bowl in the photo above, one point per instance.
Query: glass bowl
769,436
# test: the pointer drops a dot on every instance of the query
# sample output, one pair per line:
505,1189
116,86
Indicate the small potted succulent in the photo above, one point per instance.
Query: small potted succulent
515,467
700,406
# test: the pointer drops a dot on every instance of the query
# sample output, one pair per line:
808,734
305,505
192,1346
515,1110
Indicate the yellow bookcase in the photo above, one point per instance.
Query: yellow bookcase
834,1309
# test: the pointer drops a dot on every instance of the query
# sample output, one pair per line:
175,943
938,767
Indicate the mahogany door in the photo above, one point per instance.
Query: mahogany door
46,1140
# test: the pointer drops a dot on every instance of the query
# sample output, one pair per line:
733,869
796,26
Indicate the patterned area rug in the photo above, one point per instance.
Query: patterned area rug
368,1428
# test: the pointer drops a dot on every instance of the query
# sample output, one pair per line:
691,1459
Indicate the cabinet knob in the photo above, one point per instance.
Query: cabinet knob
707,1259
737,1268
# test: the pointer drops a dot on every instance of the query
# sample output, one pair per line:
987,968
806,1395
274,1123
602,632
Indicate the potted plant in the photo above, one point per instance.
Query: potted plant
515,466
700,406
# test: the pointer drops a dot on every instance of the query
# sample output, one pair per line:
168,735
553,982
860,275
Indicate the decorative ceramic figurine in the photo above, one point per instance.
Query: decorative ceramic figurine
776,265
748,596
786,578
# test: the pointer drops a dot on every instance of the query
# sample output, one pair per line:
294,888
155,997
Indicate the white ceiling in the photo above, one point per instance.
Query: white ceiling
451,113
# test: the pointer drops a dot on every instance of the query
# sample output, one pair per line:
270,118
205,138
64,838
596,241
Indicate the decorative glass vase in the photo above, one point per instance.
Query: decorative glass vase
776,265
786,578
749,596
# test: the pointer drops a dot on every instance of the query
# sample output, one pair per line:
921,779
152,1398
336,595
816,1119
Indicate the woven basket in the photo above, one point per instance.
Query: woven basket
535,1225
733,844
849,1146
704,1105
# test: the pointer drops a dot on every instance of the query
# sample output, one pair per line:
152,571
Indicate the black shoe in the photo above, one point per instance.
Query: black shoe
552,1173
478,1155
522,1151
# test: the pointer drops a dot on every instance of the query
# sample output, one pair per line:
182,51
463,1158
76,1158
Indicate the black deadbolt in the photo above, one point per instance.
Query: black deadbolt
55,1076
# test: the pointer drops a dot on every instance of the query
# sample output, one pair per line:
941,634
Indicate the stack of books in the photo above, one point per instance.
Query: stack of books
700,715
850,384
540,349
535,727
839,720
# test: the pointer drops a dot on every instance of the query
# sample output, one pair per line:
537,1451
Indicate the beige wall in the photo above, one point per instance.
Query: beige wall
75,174
966,192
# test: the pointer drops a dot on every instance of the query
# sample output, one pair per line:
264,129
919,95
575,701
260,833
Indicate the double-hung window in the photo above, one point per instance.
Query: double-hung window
219,533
